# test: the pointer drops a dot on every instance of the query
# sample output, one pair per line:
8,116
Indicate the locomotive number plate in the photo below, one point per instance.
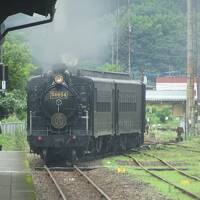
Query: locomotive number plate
58,94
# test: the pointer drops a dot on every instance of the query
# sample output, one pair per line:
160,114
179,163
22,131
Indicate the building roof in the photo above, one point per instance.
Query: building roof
171,79
167,96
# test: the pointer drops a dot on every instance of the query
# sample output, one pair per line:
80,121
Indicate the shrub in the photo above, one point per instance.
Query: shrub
159,114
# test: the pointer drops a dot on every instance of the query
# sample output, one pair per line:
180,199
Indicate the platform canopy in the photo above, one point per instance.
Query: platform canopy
28,7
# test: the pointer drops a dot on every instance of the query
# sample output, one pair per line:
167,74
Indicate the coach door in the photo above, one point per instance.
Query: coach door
128,117
103,108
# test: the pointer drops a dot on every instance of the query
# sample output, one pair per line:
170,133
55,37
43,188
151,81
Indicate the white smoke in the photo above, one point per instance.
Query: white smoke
77,33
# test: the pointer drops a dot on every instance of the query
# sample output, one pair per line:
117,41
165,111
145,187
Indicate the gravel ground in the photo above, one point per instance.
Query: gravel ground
121,187
75,186
45,189
117,186
34,161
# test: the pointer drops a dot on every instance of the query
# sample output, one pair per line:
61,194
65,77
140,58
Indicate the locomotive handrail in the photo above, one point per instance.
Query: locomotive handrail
86,117
30,123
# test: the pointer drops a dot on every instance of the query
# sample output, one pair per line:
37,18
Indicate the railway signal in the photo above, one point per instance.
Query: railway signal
3,76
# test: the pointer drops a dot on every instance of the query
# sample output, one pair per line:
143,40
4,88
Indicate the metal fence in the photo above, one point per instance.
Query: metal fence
12,127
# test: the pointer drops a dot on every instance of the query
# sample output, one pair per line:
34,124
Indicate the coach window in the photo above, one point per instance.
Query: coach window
103,107
127,107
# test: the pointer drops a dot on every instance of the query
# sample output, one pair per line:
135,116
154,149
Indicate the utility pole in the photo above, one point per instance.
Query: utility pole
190,124
113,35
112,49
129,39
3,68
1,53
1,43
197,8
117,24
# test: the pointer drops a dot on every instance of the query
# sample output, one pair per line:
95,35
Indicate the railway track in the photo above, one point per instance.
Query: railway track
184,147
172,167
188,193
149,143
98,189
62,195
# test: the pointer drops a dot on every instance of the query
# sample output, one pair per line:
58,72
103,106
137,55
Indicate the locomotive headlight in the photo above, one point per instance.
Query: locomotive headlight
59,79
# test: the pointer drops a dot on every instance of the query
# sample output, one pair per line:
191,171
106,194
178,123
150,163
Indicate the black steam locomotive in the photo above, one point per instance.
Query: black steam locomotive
71,113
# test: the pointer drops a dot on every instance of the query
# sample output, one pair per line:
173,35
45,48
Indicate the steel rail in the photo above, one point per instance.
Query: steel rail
172,144
102,193
162,179
55,182
172,167
184,147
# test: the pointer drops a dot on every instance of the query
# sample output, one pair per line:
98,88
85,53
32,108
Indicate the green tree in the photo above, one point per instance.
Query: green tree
13,102
159,114
158,35
112,68
17,57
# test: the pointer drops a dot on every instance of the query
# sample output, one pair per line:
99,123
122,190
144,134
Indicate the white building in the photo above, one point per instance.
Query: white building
172,91
169,83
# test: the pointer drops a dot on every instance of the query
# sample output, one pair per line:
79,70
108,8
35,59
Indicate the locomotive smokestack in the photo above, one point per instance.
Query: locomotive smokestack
59,68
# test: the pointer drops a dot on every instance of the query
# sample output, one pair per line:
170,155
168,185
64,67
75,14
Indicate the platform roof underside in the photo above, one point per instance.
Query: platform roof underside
28,7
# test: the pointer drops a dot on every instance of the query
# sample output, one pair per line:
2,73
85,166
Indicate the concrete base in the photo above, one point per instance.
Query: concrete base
15,177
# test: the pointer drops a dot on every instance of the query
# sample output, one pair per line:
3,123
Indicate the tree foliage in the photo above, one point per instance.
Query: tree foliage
13,102
112,68
158,35
17,57
159,114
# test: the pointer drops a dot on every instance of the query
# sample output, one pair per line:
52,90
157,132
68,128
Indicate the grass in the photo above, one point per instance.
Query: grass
193,142
14,142
161,136
178,156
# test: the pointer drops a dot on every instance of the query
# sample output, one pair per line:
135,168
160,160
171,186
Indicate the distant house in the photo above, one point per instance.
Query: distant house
171,83
166,97
170,90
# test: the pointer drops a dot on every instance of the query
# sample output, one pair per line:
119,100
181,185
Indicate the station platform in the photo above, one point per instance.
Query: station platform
15,177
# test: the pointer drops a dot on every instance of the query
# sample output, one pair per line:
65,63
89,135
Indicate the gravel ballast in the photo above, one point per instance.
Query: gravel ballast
117,186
